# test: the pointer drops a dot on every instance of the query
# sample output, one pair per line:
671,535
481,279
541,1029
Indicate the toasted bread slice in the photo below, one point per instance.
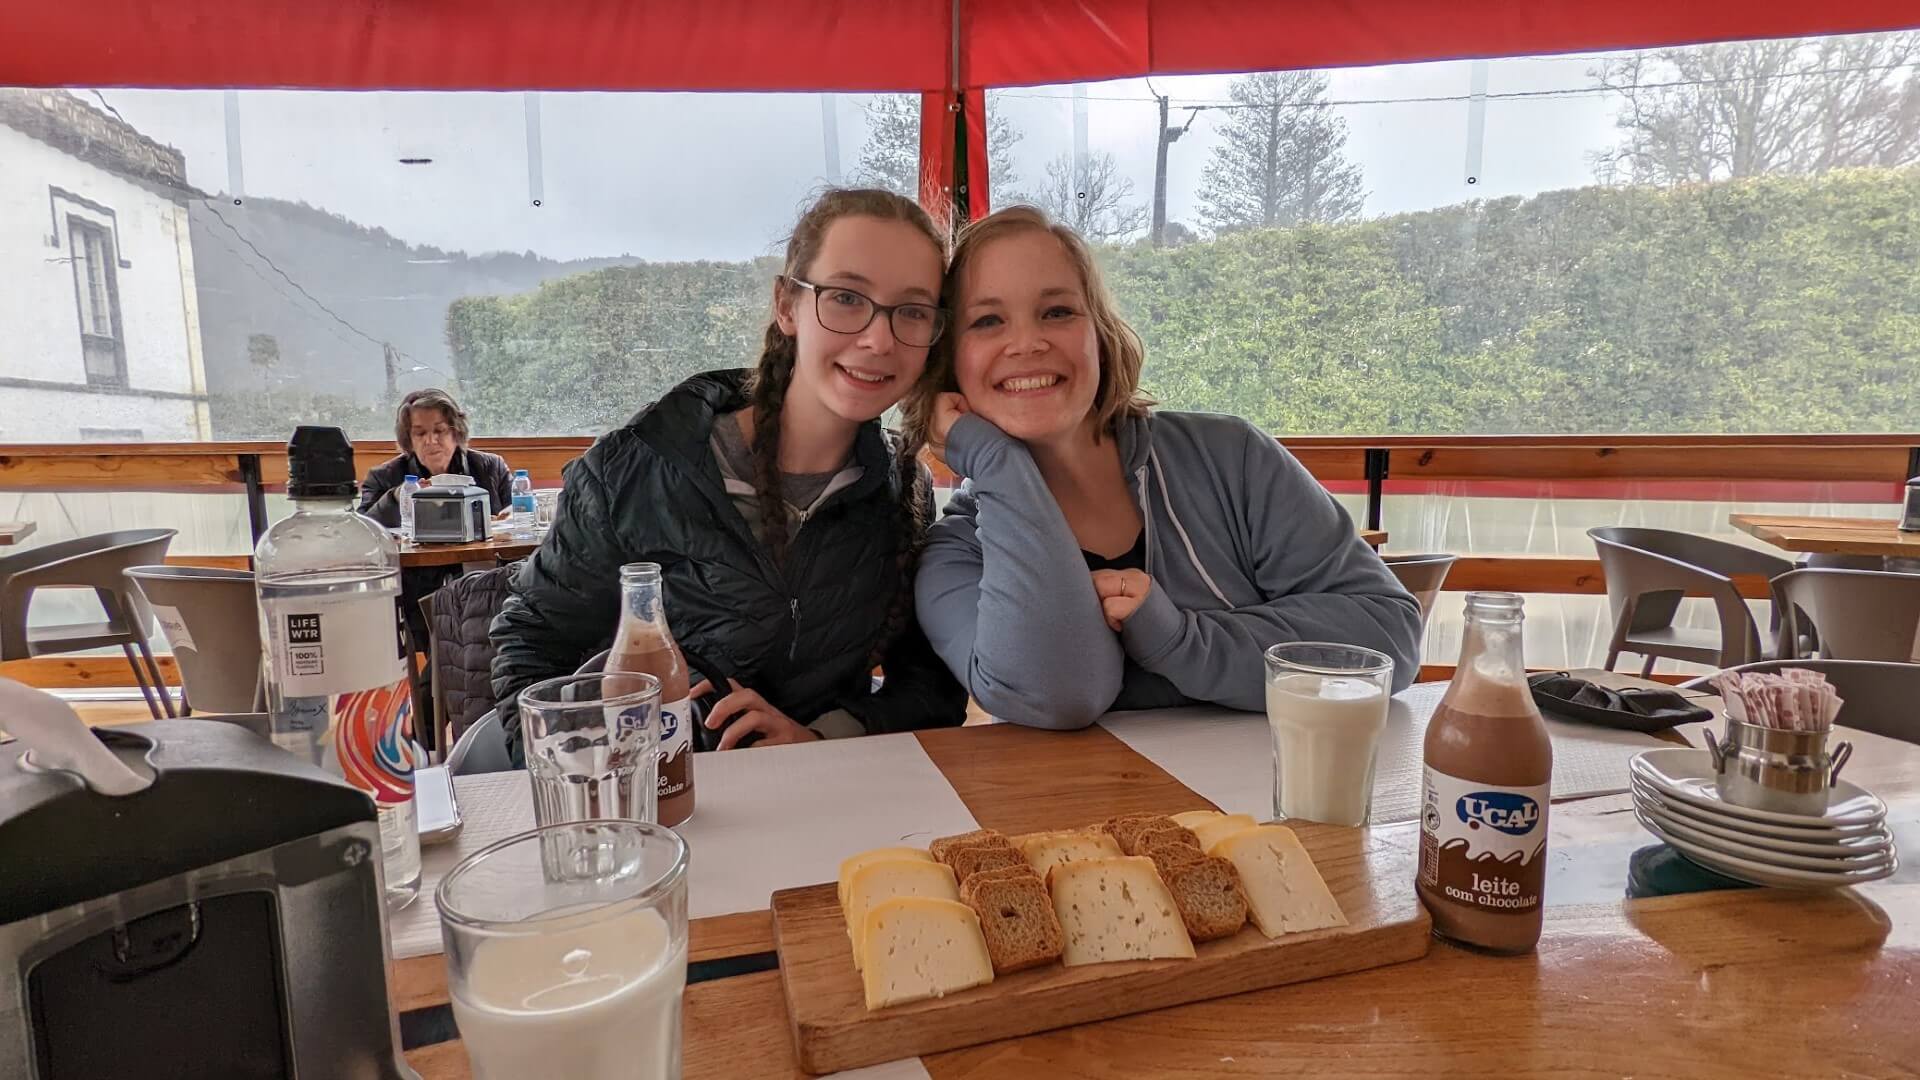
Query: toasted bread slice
1207,891
944,846
968,861
1016,917
1161,834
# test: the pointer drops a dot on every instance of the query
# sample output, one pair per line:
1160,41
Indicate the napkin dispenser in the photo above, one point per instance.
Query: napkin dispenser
451,515
227,920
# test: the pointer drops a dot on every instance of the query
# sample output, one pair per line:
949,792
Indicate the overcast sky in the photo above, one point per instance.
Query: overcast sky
719,176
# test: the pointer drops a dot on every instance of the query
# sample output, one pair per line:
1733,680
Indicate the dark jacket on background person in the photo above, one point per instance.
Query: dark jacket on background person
380,491
800,633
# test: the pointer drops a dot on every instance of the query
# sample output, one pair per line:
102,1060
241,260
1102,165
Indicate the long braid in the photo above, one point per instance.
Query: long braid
914,512
766,394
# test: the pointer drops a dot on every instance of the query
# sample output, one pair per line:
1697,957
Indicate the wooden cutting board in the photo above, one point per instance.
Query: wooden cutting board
1369,870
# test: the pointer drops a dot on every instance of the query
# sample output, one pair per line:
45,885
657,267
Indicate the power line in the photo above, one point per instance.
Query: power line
275,267
1562,92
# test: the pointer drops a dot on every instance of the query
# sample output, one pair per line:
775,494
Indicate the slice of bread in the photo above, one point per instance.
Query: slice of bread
1016,917
1048,850
1160,834
1207,891
981,878
1126,828
968,861
945,845
1116,909
1188,819
1166,856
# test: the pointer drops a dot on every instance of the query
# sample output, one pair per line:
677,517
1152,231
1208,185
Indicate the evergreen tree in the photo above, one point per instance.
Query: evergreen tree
1282,161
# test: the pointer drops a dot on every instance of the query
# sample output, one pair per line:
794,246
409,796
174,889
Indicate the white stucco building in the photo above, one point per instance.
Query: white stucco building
99,319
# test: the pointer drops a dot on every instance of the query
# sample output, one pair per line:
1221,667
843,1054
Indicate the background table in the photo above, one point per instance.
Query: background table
1735,983
498,549
12,532
1830,535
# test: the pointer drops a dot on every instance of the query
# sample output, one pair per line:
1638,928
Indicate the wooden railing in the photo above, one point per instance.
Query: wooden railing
1869,468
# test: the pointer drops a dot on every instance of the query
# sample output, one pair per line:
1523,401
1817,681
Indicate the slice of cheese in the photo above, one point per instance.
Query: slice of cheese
1044,851
877,882
1212,832
1285,894
886,854
1116,909
1193,819
921,947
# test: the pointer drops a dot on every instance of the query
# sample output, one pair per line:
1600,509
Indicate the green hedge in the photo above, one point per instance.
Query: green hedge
1776,304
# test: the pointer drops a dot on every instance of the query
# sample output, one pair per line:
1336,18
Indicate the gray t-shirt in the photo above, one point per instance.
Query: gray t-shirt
800,491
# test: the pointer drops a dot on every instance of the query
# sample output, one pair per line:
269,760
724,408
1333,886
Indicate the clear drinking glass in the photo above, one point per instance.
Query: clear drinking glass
544,502
1327,704
572,965
593,747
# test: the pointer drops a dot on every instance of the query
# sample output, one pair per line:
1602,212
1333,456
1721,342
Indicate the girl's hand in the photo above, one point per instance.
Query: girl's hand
751,713
1121,593
948,408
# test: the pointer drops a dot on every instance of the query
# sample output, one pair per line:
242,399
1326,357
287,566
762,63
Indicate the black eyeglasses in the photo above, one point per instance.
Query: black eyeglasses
844,311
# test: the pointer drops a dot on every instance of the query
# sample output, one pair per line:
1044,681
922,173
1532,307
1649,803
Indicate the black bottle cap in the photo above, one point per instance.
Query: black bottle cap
320,464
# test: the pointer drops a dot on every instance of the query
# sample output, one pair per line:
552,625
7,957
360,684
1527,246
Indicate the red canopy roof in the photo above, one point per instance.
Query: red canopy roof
869,45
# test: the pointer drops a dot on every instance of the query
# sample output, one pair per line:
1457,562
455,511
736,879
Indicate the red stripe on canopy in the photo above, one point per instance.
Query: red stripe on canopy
845,45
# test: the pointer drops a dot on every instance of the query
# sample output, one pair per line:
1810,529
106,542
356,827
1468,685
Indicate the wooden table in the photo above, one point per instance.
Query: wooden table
498,549
1830,535
1374,537
1738,983
12,532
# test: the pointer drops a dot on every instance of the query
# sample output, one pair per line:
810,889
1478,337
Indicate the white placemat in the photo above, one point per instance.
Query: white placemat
1227,756
768,818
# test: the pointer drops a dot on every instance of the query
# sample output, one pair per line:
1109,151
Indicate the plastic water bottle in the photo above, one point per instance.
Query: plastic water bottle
407,488
523,504
338,687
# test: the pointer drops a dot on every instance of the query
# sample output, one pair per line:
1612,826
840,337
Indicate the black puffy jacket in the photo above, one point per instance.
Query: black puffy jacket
800,634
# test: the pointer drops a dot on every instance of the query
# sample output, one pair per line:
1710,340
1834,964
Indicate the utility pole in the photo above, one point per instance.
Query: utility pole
1168,136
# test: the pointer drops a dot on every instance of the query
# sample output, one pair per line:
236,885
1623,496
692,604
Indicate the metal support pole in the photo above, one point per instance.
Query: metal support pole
1376,483
256,494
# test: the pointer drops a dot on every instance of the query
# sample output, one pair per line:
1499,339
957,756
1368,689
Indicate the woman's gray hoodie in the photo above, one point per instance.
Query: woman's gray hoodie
1245,549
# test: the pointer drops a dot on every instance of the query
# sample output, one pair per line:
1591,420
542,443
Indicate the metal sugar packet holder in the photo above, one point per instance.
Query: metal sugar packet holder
1774,754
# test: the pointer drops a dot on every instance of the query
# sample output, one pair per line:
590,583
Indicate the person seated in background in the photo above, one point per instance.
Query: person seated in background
1103,554
432,431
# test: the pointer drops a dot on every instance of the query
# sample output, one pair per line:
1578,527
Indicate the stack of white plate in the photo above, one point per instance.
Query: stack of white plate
1677,798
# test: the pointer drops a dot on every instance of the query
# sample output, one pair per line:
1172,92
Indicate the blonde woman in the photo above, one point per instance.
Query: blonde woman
1103,554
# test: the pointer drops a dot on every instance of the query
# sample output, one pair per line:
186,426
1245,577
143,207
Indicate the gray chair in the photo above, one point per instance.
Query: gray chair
482,748
1874,696
1856,614
216,641
1649,571
94,562
1422,575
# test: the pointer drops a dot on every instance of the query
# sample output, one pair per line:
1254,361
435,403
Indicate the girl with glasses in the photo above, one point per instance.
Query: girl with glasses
1103,554
786,521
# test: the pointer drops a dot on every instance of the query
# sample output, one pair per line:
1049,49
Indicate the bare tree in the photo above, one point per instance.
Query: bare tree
1716,112
890,158
1282,160
1097,203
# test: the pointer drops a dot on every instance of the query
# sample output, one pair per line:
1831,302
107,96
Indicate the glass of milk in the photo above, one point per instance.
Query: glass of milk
571,965
1327,705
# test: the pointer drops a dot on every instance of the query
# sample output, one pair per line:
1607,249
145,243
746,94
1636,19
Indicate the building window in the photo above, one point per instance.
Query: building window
98,291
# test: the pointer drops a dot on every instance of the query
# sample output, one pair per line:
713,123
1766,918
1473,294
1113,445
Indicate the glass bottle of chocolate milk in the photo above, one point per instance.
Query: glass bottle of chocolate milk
1483,814
643,643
